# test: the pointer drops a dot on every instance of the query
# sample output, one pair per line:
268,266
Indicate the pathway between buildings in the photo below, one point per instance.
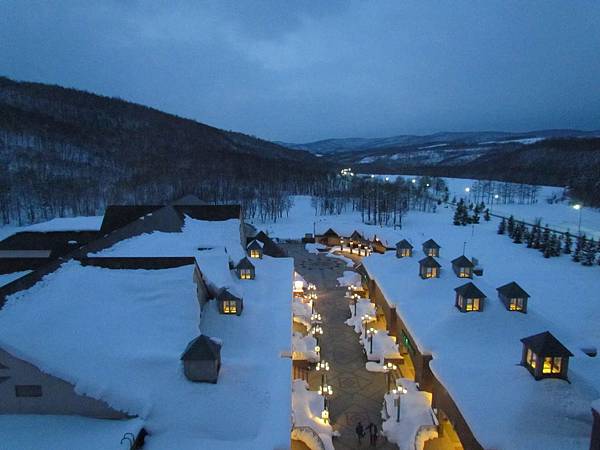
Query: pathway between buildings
357,393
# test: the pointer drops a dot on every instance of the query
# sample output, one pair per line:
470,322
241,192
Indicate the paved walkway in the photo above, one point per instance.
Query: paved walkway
358,394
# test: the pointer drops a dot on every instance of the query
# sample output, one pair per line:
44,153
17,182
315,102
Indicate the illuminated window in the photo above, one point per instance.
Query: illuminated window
472,304
405,252
552,365
229,307
547,367
465,272
531,358
516,304
245,274
556,364
461,301
430,272
254,253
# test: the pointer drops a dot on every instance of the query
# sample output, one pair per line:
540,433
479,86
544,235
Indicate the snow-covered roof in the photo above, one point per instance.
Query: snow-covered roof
476,356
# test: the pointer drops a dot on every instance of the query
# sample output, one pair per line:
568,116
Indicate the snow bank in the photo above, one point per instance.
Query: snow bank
302,312
383,345
349,279
307,406
314,248
304,347
363,307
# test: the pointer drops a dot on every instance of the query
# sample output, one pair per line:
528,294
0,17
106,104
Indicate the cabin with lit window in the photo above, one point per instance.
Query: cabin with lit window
462,267
403,249
229,303
431,248
513,296
469,298
429,268
202,360
255,249
545,357
378,246
330,238
245,270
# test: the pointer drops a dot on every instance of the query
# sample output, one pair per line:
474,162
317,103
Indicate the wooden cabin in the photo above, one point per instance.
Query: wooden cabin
513,296
463,267
431,248
229,303
545,357
469,298
245,269
330,238
403,249
255,249
429,268
202,360
378,246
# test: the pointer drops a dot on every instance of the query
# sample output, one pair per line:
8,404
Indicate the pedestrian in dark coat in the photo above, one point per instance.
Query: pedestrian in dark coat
373,433
360,432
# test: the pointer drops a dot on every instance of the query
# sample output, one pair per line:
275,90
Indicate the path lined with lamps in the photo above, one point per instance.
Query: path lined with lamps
351,393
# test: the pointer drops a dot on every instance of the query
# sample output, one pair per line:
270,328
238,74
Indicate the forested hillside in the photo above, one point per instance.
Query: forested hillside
68,152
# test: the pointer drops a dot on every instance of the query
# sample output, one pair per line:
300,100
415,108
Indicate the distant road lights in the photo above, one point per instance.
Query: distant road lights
496,196
427,185
414,181
387,178
467,190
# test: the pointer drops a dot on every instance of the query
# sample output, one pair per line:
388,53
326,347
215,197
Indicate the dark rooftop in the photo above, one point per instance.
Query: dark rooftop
244,264
430,243
403,244
512,290
469,290
545,344
462,261
201,349
429,261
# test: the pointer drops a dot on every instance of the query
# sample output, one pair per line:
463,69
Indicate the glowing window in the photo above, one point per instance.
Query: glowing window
531,358
254,253
556,364
516,304
245,274
229,307
465,272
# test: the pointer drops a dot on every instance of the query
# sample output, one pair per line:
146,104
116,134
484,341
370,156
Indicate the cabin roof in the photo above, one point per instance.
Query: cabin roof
201,348
545,344
469,290
404,244
462,261
117,216
225,294
254,245
512,290
189,199
429,261
244,263
430,243
331,233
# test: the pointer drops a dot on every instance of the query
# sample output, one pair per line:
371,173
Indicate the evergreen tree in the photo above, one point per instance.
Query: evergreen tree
475,217
558,245
545,240
511,225
568,243
502,226
589,253
518,234
486,215
457,219
547,249
529,236
577,254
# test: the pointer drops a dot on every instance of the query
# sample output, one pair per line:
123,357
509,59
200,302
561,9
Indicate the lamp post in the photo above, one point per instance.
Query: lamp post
398,392
355,298
323,367
578,207
372,332
365,319
388,368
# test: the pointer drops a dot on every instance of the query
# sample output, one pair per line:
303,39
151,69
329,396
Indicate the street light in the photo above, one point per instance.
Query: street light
316,317
365,319
372,332
323,367
578,207
398,392
388,368
355,298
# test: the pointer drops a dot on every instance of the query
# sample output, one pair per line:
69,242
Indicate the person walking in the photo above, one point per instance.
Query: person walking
373,434
360,432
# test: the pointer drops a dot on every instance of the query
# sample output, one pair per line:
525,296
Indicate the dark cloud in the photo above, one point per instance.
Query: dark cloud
303,70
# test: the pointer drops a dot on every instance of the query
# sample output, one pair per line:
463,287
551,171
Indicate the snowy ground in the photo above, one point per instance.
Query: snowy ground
137,323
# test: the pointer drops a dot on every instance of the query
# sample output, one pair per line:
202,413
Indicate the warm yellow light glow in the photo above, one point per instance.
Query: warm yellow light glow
229,307
254,253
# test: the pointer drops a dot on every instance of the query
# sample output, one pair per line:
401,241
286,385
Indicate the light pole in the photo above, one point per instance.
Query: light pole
398,392
372,332
388,368
322,367
365,319
578,207
355,298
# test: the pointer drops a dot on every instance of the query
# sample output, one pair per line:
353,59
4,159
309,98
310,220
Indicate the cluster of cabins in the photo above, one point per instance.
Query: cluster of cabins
543,355
356,243
24,388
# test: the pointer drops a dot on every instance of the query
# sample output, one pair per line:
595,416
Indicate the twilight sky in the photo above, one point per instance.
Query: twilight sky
300,70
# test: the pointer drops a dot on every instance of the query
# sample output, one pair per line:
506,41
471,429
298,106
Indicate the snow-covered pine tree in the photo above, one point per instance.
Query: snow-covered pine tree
502,226
510,226
545,239
456,220
589,253
518,233
486,215
577,254
529,236
568,243
558,244
475,217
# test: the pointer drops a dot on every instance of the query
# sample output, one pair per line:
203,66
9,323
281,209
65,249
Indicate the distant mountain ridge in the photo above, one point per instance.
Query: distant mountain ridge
335,145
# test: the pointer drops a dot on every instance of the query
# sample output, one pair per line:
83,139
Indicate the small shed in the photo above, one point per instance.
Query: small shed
403,249
255,249
463,267
431,248
429,268
545,357
202,360
330,238
469,298
229,303
513,296
245,269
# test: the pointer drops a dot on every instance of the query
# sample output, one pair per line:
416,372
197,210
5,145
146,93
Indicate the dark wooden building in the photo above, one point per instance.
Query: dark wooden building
229,303
404,249
463,267
469,298
245,269
545,357
329,238
513,296
378,246
255,249
431,248
429,268
270,248
202,360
